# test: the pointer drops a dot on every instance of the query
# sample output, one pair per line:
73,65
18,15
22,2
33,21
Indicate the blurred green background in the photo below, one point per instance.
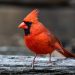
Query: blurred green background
57,15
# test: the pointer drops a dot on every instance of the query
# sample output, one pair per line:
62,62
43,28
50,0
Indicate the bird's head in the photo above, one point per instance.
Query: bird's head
29,20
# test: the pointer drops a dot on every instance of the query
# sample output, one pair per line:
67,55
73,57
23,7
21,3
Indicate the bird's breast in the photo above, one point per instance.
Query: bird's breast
37,46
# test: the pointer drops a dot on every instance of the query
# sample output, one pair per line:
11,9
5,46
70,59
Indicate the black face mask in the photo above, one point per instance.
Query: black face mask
27,31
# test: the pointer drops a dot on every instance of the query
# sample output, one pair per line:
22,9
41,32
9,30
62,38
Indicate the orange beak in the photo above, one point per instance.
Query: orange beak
23,26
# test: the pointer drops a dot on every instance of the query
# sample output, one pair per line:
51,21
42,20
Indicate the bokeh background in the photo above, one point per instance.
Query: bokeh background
57,15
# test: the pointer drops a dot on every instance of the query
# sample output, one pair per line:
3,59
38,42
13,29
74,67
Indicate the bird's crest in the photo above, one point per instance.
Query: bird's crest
32,16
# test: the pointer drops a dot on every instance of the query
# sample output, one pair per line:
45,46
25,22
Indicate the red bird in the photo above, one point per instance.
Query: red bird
39,39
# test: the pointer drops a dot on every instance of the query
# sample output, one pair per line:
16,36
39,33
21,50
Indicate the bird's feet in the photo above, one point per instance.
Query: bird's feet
32,64
49,62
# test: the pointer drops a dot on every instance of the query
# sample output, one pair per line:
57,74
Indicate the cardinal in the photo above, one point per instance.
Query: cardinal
39,39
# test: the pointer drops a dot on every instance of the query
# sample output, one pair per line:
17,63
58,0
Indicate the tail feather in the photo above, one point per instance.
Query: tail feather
66,53
63,51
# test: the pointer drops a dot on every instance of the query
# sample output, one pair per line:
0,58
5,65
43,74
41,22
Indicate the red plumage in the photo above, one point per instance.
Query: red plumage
38,38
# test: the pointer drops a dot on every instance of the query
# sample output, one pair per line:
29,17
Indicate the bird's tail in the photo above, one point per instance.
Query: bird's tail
66,53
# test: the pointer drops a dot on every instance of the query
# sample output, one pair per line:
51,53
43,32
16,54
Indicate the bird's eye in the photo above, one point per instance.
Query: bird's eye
27,23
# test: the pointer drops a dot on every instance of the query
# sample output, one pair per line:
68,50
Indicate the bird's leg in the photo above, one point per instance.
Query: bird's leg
50,58
33,61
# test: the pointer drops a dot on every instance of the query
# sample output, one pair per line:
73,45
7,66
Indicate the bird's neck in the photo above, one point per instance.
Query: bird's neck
35,29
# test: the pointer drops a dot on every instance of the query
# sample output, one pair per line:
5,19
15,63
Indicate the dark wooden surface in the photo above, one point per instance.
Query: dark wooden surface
21,65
